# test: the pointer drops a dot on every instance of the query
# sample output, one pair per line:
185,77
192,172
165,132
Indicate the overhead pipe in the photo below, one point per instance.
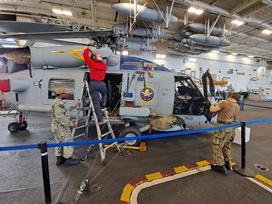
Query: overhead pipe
223,12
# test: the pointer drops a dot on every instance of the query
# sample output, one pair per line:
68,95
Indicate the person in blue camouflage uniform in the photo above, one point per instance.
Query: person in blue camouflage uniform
61,127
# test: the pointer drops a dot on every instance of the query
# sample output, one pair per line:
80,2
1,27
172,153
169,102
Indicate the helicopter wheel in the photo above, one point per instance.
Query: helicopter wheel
13,127
130,132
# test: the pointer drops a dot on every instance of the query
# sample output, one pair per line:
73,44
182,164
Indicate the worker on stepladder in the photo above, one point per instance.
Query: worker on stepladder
61,127
98,68
228,111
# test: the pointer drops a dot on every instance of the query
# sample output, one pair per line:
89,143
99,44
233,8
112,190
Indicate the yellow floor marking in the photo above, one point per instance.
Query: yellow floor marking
153,176
202,163
127,192
180,169
264,179
259,184
137,189
232,163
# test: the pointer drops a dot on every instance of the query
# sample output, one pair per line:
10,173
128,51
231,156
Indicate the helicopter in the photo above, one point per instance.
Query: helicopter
142,95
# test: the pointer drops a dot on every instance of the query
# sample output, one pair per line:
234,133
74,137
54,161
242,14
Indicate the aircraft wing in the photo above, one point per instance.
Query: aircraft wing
39,36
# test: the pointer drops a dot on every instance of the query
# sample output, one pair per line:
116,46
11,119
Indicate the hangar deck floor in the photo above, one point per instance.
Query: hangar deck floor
21,180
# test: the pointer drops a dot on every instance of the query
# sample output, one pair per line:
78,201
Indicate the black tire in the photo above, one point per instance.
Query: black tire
131,132
23,126
13,127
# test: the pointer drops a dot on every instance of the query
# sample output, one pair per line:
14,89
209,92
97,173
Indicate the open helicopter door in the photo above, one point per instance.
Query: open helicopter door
208,81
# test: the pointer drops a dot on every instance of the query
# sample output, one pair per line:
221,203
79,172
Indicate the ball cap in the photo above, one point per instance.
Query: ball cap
60,90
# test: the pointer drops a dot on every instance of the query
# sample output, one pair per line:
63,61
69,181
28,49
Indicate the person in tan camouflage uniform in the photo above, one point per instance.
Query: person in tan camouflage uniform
228,111
61,127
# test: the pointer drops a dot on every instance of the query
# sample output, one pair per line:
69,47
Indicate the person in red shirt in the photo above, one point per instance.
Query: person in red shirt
98,68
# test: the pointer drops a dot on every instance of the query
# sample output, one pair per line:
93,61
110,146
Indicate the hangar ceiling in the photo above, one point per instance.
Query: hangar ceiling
246,39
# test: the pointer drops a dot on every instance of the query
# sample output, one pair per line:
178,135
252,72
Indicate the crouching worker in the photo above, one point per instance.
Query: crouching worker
98,68
228,111
61,127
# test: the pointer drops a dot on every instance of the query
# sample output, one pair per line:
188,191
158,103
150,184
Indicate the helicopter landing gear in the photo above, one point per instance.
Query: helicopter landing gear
19,124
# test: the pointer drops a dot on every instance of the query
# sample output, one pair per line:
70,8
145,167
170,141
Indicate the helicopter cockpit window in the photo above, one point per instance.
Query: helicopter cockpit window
68,84
185,89
188,99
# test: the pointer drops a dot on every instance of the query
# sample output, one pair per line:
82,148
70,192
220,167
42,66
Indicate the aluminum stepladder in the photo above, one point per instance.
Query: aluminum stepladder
85,94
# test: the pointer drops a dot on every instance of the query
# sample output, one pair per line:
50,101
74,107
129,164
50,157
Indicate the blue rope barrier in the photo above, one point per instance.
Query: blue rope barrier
21,147
259,121
143,137
266,107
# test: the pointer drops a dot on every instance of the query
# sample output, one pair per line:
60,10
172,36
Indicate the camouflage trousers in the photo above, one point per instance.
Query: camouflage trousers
221,145
66,152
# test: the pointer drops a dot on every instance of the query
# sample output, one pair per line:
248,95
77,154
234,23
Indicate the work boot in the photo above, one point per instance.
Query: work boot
228,166
220,169
60,160
71,161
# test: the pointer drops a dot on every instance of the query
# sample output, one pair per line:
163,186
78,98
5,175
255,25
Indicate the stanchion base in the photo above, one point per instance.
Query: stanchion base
244,172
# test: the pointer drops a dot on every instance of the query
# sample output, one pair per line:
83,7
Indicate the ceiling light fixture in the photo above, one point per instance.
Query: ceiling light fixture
267,32
237,22
198,11
67,12
250,56
160,56
215,51
124,52
57,11
62,12
195,11
192,60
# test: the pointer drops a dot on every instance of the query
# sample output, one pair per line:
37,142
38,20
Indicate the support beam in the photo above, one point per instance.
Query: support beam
253,9
213,25
133,16
213,2
92,5
243,5
223,12
167,17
